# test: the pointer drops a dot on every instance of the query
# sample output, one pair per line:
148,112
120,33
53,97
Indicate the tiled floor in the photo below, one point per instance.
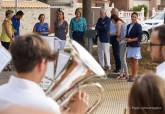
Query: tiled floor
115,95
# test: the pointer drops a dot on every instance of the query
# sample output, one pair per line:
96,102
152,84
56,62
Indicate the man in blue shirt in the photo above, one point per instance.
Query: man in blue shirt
16,23
102,28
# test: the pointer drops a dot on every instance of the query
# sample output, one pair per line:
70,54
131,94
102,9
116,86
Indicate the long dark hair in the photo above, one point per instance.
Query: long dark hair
147,95
116,18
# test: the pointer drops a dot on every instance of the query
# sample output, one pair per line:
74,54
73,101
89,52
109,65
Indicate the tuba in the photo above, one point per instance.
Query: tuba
74,69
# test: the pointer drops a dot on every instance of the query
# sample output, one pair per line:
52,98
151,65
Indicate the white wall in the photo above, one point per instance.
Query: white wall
29,19
130,3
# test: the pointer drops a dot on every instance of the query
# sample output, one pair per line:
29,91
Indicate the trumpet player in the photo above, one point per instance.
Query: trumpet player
30,55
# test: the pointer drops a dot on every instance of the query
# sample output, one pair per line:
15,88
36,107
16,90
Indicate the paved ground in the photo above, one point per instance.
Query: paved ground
115,96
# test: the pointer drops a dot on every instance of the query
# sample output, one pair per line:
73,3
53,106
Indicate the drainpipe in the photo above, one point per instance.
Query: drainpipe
164,15
16,5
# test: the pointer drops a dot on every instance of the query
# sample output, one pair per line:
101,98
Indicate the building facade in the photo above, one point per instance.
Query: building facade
162,4
31,9
128,4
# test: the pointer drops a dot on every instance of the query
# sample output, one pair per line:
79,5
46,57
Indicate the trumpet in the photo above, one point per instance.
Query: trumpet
73,70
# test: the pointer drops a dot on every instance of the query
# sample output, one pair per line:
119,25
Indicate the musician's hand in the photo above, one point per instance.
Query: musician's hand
79,103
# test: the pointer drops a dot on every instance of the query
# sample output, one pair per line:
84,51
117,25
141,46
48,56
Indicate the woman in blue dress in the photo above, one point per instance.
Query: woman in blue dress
41,28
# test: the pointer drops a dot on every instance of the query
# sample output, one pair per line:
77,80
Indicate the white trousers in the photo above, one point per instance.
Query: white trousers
104,53
62,44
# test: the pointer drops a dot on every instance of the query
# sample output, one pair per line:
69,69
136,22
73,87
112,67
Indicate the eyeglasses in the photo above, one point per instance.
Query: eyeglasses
152,44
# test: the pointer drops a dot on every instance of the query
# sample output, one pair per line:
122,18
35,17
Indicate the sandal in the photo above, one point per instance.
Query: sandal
131,79
120,76
124,78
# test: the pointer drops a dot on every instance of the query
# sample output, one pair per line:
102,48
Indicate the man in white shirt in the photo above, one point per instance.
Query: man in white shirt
157,49
15,109
30,55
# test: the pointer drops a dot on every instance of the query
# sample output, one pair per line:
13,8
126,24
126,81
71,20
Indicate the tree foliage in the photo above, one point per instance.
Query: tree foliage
139,8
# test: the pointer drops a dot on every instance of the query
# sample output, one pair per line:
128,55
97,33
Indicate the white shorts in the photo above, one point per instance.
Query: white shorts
134,52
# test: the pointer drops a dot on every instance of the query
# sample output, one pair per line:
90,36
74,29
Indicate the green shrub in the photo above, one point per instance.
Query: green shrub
139,8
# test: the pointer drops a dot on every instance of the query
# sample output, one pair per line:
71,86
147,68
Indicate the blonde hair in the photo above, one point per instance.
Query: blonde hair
78,10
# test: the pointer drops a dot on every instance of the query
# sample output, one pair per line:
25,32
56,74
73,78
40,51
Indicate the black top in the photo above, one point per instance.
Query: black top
60,30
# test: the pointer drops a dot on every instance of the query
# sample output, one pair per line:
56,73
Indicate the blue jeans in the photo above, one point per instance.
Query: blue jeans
116,52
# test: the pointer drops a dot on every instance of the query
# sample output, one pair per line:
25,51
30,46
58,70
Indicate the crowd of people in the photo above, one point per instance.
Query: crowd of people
125,40
147,95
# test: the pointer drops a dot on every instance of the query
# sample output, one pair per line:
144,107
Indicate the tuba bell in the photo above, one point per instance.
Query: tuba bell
74,70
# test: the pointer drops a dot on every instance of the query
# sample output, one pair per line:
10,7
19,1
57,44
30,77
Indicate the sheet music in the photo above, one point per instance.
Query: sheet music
49,75
63,59
5,57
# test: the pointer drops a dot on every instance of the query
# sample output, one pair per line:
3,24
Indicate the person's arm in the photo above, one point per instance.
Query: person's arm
78,104
49,30
34,29
85,24
139,33
99,27
118,30
96,27
71,28
8,32
136,38
132,40
55,28
66,28
106,26
109,24
13,24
